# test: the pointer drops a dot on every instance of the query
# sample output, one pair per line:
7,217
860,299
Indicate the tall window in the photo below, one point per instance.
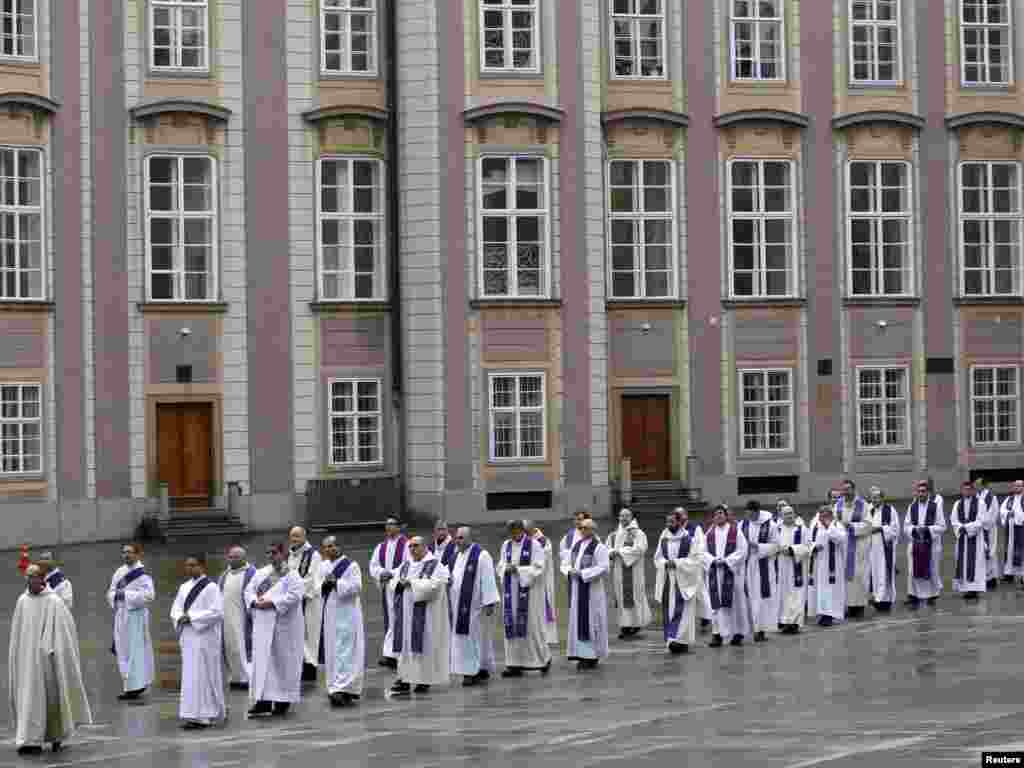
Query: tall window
986,42
882,421
18,29
508,36
513,226
517,416
355,414
21,224
758,50
767,407
995,405
179,34
21,448
642,224
879,228
351,214
181,227
638,38
761,222
875,41
348,34
990,228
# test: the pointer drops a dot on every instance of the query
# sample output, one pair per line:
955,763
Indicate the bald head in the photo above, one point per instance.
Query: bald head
329,546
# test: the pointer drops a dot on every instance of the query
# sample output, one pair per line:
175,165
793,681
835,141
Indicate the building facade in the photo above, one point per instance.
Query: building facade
481,251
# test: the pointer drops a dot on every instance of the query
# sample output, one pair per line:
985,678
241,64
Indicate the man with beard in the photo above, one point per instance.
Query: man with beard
131,591
520,574
237,621
473,593
794,557
679,568
724,560
627,546
586,569
885,532
343,636
198,618
305,560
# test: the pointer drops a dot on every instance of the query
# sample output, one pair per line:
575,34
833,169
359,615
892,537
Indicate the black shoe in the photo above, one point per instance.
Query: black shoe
238,686
546,669
308,673
759,637
400,688
912,602
678,648
825,621
584,664
194,725
421,688
131,695
513,671
30,750
281,708
736,640
623,635
388,662
931,600
705,623
855,612
468,681
260,708
338,699
883,607
483,675
57,747
992,583
1008,579
716,641
972,596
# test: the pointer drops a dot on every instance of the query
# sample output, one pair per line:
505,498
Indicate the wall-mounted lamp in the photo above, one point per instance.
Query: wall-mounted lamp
185,332
882,324
645,327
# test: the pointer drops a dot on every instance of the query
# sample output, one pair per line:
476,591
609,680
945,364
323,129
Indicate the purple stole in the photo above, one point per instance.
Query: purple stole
123,582
721,594
583,590
304,561
419,611
337,572
966,555
628,599
798,567
1017,559
671,624
247,632
197,589
518,627
851,539
468,588
921,541
762,563
986,497
55,579
266,585
549,615
448,556
831,557
382,559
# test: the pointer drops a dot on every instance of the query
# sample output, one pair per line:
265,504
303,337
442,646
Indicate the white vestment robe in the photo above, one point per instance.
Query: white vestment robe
61,586
882,553
236,624
550,608
993,562
679,589
630,544
592,571
312,606
277,638
916,517
201,641
344,634
396,552
734,619
132,640
829,592
764,611
1012,518
793,602
47,695
857,583
473,650
972,533
566,543
429,665
531,651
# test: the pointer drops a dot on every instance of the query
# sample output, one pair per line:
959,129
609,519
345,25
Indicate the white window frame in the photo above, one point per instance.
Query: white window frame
764,404
878,218
213,215
34,56
638,217
175,7
16,211
345,10
355,415
1009,27
875,25
994,399
507,8
38,420
544,291
518,410
883,401
380,276
762,216
635,19
757,21
989,218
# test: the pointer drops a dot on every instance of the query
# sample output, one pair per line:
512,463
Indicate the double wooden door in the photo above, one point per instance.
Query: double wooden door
646,436
185,451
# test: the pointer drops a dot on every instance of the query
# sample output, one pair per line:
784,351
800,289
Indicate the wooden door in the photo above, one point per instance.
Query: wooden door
646,436
185,451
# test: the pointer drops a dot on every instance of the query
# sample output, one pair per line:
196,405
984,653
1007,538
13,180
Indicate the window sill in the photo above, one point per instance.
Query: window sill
323,307
876,85
350,472
782,455
644,303
349,75
17,63
764,302
521,303
179,74
999,301
32,305
511,74
517,464
639,79
183,307
756,85
1002,88
881,301
902,453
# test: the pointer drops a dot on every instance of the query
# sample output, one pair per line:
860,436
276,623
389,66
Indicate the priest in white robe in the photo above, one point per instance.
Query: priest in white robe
274,598
567,542
828,568
969,520
443,545
724,562
131,591
387,558
794,571
990,503
679,579
472,595
587,570
885,533
703,606
550,567
762,537
923,528
305,560
627,549
520,573
422,626
47,695
342,634
1012,518
237,619
198,618
56,579
853,511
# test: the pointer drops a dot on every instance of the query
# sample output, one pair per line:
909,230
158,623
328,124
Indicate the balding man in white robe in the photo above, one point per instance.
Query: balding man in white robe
386,559
56,579
520,574
304,559
198,618
923,528
550,567
990,504
761,534
237,621
131,591
969,520
422,627
724,561
853,512
343,636
885,533
679,573
1012,518
627,547
472,594
587,570
794,571
828,563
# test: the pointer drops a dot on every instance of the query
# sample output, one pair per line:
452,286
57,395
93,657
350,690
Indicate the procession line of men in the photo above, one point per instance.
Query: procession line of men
272,628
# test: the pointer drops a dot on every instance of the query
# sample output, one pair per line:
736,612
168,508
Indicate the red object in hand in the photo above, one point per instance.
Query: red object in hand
23,561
